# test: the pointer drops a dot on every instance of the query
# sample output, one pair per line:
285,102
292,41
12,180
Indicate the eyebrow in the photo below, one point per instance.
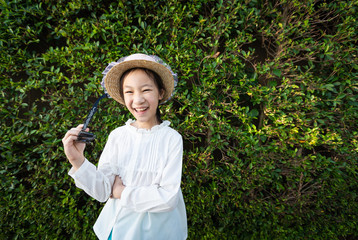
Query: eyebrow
143,86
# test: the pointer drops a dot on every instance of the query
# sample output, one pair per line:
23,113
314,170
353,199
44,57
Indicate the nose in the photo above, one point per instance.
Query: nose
138,98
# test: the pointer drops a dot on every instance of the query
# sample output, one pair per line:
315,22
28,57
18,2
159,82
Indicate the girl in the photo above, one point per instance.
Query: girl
139,171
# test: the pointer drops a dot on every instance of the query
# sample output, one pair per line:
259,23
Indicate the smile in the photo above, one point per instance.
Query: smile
140,109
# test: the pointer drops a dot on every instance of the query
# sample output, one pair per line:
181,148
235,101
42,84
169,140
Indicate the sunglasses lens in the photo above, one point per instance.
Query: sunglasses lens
85,137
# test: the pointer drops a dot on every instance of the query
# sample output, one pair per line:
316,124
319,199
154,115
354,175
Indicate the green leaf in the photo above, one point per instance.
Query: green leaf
277,72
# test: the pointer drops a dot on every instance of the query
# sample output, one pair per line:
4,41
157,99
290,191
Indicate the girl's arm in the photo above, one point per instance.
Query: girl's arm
96,182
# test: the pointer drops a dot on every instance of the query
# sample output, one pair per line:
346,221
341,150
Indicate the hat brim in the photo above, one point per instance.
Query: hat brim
112,79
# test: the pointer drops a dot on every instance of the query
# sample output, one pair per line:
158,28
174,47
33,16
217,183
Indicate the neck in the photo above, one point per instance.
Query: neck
145,125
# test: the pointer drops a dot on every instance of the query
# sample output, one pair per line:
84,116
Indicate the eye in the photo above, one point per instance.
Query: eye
147,90
128,92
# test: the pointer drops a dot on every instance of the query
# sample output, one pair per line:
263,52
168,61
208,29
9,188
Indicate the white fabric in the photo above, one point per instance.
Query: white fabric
150,165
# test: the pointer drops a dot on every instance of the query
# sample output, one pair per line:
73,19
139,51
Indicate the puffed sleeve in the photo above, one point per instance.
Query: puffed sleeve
97,182
162,196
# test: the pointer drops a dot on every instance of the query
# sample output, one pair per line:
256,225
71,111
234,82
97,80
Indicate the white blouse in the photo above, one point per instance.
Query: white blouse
150,165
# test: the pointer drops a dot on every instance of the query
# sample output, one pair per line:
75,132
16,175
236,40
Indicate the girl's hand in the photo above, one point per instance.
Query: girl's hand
117,188
74,150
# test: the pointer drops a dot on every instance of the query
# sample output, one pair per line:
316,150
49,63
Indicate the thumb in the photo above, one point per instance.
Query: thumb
118,180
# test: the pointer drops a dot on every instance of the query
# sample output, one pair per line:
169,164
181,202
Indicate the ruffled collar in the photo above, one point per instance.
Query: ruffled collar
143,130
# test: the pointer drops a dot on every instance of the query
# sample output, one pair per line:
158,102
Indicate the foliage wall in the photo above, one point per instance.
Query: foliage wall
266,103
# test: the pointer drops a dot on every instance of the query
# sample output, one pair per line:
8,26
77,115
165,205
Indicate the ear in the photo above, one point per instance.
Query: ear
161,94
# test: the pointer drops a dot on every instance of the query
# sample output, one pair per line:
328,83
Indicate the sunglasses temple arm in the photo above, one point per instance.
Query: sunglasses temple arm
93,111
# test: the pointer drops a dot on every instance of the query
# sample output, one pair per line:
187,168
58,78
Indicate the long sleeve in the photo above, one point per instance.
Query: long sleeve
97,182
163,195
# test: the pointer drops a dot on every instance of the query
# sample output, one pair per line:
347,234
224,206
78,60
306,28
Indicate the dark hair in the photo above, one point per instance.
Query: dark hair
152,75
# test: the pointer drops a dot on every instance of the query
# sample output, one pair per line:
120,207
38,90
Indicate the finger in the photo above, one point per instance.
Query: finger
69,140
75,131
119,180
72,132
81,127
116,180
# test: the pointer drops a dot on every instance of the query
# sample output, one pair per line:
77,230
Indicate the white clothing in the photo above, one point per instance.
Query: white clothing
150,165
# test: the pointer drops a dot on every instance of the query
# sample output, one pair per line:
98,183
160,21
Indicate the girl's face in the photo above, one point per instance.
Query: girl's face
142,96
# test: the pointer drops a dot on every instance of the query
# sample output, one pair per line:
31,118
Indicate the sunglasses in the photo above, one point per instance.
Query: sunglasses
88,137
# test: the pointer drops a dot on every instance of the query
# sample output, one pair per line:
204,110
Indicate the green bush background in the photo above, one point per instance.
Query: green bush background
266,103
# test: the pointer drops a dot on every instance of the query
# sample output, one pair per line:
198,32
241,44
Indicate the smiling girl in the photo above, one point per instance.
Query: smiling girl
139,171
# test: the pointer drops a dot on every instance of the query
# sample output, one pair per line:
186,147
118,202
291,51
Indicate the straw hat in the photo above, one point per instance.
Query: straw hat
114,71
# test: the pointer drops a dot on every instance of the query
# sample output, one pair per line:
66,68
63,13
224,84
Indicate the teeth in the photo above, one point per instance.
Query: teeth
140,109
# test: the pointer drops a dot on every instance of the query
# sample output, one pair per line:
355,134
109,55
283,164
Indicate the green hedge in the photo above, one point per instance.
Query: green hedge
266,103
